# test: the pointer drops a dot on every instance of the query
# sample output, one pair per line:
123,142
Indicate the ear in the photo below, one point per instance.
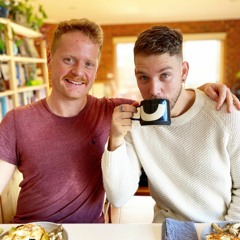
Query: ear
185,69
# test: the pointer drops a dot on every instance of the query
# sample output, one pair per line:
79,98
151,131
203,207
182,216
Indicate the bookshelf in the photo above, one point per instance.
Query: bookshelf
19,93
24,73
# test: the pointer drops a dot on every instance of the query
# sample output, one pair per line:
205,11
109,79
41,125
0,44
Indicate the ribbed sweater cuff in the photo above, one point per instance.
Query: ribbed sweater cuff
111,159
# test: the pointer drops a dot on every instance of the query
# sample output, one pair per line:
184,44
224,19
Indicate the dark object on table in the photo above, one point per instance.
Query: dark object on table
178,230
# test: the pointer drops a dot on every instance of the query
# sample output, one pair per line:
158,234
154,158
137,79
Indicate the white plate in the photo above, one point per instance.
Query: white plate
209,229
49,226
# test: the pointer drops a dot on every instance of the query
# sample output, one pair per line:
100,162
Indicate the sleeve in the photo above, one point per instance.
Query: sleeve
8,151
234,155
120,175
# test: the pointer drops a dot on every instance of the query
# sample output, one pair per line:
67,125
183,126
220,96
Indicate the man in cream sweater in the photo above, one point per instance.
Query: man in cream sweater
193,165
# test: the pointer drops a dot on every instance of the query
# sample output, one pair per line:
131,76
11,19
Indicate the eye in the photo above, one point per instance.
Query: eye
165,76
69,60
142,78
90,65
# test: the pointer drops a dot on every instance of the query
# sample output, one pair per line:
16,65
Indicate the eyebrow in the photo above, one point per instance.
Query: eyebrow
164,69
160,71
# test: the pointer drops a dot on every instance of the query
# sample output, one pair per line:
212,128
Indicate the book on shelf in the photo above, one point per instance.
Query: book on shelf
3,101
2,82
22,50
25,98
30,71
5,71
30,48
6,104
21,74
5,74
28,97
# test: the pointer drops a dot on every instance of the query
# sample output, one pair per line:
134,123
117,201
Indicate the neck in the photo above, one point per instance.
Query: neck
66,107
184,102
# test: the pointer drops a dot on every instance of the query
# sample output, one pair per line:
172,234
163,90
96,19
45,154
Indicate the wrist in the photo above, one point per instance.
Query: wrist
114,143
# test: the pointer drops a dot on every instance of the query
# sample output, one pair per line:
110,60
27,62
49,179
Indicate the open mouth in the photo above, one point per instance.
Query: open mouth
75,82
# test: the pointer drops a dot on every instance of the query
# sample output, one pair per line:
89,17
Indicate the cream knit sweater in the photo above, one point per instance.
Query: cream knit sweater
193,165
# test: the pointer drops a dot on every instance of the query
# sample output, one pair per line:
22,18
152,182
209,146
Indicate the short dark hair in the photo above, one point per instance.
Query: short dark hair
159,40
92,30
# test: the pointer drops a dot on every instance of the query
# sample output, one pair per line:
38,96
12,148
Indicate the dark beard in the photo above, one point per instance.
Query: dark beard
174,100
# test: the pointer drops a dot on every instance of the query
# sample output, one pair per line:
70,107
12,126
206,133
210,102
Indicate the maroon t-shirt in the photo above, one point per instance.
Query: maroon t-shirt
60,159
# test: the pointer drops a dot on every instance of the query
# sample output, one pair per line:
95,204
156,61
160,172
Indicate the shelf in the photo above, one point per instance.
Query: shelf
21,30
22,68
29,59
30,88
6,93
4,57
22,89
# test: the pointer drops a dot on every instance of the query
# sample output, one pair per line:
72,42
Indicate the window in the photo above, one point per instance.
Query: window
124,68
204,53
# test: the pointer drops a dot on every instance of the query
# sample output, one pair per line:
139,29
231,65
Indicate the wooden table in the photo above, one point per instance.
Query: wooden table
113,231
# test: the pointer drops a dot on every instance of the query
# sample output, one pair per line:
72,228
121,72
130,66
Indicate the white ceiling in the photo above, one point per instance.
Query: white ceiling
140,11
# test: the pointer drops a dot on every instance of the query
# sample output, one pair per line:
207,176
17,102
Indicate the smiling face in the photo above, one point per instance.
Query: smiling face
160,76
73,65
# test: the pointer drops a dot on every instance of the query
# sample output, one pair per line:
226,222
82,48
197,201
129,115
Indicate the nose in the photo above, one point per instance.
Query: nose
78,69
155,89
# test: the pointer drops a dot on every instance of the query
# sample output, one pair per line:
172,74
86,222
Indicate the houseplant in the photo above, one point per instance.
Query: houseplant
24,13
2,38
3,35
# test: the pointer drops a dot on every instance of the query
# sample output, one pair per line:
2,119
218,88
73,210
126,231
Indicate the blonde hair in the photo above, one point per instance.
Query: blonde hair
92,30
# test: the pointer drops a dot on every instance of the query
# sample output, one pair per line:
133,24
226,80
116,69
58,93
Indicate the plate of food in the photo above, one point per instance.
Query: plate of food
224,230
36,231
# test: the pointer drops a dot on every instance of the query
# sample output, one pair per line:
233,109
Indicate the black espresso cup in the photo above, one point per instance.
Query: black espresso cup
153,112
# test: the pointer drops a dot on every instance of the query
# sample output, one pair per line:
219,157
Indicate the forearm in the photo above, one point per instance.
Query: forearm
114,143
120,181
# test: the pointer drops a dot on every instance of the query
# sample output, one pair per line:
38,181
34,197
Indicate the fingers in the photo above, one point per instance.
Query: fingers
221,93
224,94
121,108
121,124
229,100
121,119
122,116
212,90
236,102
127,107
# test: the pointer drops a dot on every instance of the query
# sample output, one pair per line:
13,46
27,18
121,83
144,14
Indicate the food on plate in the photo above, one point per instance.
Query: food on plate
1,230
221,236
26,232
56,234
34,231
230,231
